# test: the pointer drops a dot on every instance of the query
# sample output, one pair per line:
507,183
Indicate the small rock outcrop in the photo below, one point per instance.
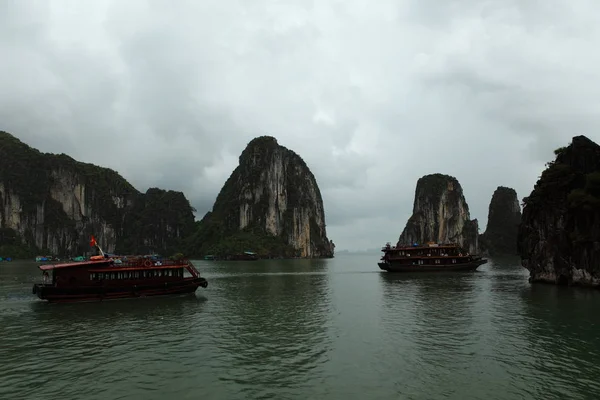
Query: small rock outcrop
270,204
504,217
559,235
52,204
441,214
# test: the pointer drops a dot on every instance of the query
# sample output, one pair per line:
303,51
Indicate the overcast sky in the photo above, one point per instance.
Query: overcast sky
372,94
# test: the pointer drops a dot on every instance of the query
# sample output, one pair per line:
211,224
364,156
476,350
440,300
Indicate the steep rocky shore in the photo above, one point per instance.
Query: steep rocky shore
440,214
559,236
504,217
271,204
52,204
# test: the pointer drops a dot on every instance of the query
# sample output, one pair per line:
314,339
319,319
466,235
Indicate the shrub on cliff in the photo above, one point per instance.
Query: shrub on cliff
560,227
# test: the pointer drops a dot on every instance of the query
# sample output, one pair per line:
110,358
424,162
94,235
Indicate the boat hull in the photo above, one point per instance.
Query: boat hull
463,267
54,294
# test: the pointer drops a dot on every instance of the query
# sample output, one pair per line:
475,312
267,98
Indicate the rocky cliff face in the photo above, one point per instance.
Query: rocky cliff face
504,217
52,203
559,235
270,204
440,214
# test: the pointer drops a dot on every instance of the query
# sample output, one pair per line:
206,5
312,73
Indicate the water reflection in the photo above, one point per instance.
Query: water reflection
328,329
430,319
563,333
274,334
60,350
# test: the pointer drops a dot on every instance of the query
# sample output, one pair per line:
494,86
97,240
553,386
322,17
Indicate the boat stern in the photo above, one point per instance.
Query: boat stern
40,289
203,283
384,266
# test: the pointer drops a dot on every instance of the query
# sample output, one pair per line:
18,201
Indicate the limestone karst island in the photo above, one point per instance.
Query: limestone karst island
270,207
556,236
559,234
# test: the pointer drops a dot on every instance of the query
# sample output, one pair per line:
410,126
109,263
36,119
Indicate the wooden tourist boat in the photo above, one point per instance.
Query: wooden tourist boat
105,278
431,257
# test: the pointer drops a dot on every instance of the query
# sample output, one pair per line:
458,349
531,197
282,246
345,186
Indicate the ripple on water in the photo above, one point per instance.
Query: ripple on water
310,334
274,347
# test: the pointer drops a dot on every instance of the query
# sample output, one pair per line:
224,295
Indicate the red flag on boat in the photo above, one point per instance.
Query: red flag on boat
93,241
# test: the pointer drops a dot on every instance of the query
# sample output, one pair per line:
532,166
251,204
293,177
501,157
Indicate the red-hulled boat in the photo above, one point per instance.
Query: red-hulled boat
107,278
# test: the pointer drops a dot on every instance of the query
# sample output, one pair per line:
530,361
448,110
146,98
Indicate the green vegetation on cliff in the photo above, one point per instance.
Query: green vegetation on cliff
560,227
36,185
12,246
261,206
159,220
587,197
220,242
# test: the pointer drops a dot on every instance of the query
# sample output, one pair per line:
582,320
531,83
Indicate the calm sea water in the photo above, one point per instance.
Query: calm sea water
307,329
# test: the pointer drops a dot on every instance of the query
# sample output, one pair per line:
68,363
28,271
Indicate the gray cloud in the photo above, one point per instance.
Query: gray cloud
371,95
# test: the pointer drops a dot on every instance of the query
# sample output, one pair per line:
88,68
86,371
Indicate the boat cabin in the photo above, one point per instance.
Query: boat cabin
430,253
107,272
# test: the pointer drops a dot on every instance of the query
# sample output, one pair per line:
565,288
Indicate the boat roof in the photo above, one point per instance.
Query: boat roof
47,267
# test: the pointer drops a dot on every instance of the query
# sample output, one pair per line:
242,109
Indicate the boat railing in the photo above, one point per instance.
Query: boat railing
145,262
148,262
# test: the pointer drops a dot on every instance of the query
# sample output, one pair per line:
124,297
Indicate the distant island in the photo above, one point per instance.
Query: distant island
441,214
504,217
